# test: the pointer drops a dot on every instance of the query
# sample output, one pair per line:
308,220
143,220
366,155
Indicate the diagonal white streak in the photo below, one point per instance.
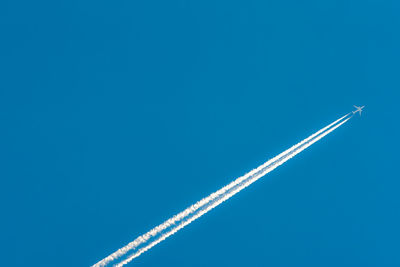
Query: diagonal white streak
227,196
203,206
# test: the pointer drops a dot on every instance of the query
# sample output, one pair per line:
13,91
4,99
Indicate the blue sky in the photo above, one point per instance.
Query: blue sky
117,115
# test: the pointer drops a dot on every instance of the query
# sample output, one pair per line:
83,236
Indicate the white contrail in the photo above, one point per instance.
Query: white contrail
226,197
213,200
195,207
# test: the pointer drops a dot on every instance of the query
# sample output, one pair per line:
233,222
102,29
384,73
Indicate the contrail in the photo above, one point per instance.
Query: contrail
182,219
227,196
178,217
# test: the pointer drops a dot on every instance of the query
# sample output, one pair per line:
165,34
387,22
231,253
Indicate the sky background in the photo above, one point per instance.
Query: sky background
115,115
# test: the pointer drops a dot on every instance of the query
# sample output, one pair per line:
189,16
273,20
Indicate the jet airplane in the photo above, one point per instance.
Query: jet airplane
358,109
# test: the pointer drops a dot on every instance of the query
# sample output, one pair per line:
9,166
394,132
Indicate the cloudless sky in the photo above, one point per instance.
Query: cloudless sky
115,115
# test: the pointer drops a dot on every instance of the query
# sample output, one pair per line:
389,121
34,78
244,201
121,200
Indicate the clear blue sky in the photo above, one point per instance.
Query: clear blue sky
116,115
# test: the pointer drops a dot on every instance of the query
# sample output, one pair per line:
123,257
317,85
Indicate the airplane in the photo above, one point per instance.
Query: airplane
358,109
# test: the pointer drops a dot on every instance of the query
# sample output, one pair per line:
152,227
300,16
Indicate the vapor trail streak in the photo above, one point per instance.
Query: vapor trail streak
213,200
226,197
